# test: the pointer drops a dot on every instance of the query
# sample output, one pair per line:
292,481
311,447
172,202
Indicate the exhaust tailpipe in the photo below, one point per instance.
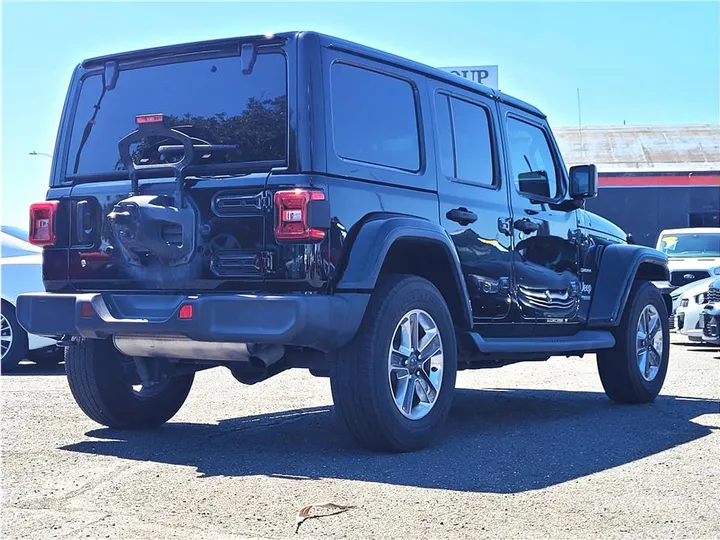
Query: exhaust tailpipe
266,363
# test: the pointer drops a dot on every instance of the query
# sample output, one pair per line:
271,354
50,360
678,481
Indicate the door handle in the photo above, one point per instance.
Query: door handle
462,216
526,225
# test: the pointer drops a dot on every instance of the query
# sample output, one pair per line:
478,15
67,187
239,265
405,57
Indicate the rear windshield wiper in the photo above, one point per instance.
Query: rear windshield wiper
109,79
87,130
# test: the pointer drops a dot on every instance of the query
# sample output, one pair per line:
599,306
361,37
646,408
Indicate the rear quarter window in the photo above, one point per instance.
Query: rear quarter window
374,118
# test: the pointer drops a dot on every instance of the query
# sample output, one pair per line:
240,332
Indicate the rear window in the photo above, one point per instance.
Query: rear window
374,118
465,142
210,100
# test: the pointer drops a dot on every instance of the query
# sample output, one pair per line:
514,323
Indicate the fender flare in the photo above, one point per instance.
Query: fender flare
620,265
375,237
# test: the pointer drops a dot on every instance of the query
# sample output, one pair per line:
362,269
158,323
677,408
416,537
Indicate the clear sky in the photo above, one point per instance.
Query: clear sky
640,63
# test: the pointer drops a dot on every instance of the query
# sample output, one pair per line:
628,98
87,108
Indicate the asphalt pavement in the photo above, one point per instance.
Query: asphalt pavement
530,450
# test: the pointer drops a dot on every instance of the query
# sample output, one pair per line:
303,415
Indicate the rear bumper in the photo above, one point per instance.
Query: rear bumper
318,321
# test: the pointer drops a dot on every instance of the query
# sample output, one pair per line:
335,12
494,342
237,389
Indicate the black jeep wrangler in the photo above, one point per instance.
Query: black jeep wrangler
299,201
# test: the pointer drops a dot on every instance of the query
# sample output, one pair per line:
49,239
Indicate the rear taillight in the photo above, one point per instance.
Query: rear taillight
292,215
42,223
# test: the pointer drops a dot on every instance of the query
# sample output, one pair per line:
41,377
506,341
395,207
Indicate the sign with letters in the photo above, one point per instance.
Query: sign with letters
487,75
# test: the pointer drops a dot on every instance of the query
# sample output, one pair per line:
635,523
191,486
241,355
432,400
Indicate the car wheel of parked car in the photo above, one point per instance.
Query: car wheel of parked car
107,387
13,339
634,370
393,384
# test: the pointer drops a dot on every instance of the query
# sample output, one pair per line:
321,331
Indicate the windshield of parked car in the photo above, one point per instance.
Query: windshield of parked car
691,245
232,116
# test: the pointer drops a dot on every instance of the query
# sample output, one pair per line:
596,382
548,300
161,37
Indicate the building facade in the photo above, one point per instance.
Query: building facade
651,177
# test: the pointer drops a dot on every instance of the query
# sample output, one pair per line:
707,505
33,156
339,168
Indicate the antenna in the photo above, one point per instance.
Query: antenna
582,144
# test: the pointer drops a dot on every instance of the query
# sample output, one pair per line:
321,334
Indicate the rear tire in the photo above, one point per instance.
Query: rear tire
627,374
398,401
101,381
14,339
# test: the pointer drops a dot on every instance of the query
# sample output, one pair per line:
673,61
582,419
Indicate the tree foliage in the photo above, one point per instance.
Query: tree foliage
259,134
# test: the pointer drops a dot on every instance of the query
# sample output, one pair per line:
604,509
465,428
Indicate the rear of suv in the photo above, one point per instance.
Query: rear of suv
300,201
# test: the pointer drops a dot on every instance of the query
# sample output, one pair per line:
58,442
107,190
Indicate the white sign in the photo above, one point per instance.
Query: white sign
487,75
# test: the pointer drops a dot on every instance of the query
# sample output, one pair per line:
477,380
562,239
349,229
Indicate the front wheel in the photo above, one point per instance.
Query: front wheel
108,388
634,370
393,384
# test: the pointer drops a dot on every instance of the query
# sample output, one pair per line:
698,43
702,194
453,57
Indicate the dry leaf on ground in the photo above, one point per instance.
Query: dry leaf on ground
304,513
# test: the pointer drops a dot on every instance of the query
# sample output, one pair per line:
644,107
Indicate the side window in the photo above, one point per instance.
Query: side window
465,143
445,135
374,118
531,163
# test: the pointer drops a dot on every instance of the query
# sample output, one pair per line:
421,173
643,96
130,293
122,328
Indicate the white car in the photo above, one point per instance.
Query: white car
693,253
676,296
688,313
20,272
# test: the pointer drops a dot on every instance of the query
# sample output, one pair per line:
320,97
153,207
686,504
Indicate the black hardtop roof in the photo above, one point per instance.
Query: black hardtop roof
326,41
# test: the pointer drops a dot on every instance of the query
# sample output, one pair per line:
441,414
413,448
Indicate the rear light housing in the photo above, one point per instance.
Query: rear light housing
42,223
292,217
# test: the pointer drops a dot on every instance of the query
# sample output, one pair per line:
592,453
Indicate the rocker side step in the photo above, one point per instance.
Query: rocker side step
583,341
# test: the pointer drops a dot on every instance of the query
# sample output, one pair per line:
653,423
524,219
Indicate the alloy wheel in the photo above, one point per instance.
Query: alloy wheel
415,364
650,343
6,336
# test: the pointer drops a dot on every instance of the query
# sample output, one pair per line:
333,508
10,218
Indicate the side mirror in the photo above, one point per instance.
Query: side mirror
583,182
534,183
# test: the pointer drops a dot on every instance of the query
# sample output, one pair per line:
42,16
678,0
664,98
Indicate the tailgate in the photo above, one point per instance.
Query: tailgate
228,232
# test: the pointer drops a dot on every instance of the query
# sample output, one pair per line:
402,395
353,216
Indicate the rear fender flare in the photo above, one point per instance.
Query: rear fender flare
620,266
375,238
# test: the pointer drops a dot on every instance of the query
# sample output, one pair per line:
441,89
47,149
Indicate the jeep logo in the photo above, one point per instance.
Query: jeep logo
689,276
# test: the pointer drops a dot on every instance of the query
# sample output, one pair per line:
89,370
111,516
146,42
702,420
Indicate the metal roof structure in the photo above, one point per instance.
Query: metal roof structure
686,148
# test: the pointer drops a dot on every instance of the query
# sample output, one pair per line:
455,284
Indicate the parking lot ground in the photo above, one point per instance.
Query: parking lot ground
530,450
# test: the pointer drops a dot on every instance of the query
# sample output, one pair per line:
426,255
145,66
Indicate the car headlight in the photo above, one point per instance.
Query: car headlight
701,298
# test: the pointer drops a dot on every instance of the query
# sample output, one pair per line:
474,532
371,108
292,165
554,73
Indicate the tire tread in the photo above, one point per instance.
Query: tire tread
355,395
617,367
94,377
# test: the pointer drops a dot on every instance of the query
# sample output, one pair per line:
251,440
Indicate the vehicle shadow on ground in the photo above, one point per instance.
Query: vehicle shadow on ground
497,441
30,368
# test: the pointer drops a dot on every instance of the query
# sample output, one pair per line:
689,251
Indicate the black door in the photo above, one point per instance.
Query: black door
545,255
473,201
